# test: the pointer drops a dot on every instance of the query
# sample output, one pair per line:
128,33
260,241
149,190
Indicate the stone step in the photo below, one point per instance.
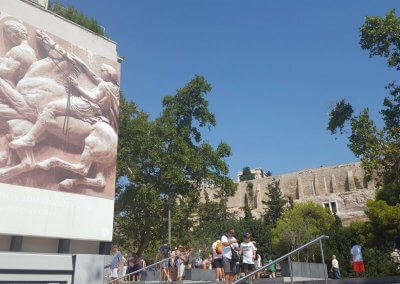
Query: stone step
377,280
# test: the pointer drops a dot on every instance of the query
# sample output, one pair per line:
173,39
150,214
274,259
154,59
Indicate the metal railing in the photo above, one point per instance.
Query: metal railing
144,269
288,255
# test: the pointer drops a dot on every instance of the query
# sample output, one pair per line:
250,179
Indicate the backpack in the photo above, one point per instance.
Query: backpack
218,249
235,255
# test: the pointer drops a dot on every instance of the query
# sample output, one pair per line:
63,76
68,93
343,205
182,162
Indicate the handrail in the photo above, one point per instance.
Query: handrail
143,269
320,238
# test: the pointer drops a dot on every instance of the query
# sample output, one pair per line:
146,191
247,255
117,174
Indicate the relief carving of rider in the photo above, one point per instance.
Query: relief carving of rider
13,67
98,104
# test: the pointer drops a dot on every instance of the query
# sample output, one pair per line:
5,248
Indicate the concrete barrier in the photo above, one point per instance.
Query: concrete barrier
51,268
200,274
152,275
308,270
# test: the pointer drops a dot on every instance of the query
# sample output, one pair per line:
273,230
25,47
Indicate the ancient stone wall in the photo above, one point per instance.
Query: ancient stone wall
342,188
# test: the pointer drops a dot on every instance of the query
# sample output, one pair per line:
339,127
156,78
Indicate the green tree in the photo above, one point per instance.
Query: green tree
209,211
246,208
246,174
166,160
377,148
275,203
385,221
138,204
72,14
303,223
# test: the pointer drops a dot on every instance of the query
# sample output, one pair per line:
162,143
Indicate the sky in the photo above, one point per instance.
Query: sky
276,68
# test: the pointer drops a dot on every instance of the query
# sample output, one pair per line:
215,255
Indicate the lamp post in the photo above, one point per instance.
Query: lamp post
169,222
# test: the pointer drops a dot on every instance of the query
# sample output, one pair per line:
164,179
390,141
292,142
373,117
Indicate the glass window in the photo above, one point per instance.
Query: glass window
334,207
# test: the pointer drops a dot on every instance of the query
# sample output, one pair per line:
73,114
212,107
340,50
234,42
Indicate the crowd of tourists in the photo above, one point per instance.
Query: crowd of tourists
229,259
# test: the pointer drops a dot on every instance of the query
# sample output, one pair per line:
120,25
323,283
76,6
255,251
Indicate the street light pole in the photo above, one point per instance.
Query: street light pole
169,221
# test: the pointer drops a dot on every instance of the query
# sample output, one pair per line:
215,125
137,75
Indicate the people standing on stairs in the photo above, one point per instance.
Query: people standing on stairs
172,265
125,260
135,263
249,254
258,265
180,262
357,260
165,253
229,255
130,268
272,269
116,264
335,268
217,260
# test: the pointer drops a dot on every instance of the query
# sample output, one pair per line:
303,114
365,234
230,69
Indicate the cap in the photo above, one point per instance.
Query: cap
246,235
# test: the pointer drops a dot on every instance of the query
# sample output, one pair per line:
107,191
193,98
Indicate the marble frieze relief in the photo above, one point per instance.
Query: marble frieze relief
58,113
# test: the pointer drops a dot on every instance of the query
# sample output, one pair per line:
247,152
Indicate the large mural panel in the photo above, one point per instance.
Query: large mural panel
58,113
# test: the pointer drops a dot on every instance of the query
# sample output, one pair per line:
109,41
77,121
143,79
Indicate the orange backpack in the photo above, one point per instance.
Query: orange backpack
218,248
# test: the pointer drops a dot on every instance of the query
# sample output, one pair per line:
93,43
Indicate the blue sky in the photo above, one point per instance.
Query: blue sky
276,67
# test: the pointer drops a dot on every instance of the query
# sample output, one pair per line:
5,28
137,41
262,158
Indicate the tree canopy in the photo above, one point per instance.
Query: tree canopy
246,174
378,148
166,161
275,203
297,226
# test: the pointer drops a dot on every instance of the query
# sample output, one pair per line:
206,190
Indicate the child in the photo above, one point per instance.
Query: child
248,250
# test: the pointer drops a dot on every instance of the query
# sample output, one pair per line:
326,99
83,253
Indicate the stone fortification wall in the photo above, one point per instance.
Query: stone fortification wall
342,188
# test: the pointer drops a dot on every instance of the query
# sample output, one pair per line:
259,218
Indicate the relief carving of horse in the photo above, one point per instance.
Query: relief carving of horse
44,83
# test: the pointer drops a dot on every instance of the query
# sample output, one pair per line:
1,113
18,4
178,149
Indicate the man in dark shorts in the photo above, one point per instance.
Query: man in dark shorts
249,253
229,243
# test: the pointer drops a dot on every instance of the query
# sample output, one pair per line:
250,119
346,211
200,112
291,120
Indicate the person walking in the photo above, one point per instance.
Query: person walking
217,260
130,268
180,262
164,266
116,264
357,260
249,254
125,261
229,255
172,265
272,269
335,268
135,264
258,265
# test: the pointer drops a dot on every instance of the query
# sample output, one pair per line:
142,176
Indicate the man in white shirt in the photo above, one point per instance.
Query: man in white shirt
357,260
335,267
217,260
229,244
116,264
249,251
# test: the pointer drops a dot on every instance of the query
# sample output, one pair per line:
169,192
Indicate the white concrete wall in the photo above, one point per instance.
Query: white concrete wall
54,214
